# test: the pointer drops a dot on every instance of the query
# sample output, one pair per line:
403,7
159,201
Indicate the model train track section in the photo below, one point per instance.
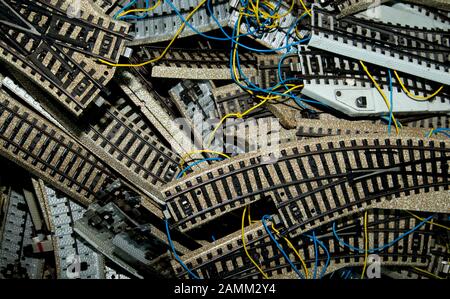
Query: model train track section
274,39
419,52
156,110
341,83
408,14
126,138
16,235
42,148
60,53
437,266
70,250
162,23
105,5
312,183
231,99
123,140
349,7
194,64
226,258
442,121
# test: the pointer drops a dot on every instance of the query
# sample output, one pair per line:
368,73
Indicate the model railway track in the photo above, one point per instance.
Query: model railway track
348,7
327,68
142,78
313,183
436,265
232,99
16,235
70,249
124,135
162,23
314,128
195,102
228,260
275,39
195,64
342,79
156,110
406,49
268,76
106,4
92,34
321,67
42,148
442,121
59,53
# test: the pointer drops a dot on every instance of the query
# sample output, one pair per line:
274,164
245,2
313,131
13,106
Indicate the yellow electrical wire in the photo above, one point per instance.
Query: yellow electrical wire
249,216
123,13
263,98
428,273
382,94
241,115
165,50
183,158
245,247
417,98
288,11
431,222
366,246
293,248
308,11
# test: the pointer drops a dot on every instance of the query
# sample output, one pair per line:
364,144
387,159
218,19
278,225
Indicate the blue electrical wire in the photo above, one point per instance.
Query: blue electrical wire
327,263
442,131
196,163
233,37
384,246
349,273
134,17
266,217
227,38
245,78
175,253
316,254
124,8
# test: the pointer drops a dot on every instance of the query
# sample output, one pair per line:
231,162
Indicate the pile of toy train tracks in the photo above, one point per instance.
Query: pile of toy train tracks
216,139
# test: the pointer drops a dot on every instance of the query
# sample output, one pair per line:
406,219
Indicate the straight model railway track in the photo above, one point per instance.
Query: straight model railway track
17,234
162,23
206,64
44,149
74,259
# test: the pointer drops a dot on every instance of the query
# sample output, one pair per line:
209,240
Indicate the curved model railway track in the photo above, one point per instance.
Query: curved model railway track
228,260
42,148
59,53
437,266
312,183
